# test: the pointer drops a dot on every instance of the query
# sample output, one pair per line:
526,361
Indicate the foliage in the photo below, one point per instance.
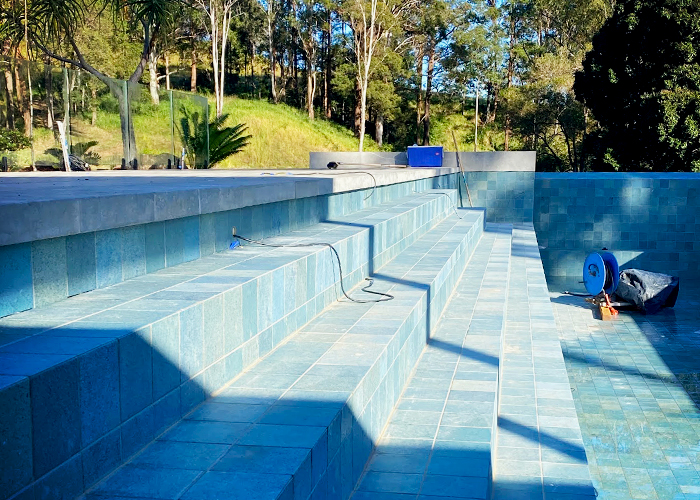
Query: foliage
223,141
641,80
13,140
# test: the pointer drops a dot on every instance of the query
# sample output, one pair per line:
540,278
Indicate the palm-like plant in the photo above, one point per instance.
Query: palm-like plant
223,141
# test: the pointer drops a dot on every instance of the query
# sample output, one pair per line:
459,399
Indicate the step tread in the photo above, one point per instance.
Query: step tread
438,439
289,413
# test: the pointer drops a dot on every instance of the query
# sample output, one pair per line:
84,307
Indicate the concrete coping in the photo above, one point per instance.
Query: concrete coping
480,161
49,205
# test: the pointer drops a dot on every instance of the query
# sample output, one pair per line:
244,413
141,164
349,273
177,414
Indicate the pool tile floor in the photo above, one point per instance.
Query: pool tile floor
636,387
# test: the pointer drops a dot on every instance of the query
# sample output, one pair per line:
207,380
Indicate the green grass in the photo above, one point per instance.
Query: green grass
283,137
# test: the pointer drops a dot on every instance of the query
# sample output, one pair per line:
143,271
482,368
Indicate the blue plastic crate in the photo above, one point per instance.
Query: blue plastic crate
425,156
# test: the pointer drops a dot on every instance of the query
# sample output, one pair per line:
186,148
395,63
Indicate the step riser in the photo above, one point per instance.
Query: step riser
152,377
367,415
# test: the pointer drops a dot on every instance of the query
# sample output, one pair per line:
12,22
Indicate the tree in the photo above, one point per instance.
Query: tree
641,80
54,24
218,14
382,98
431,27
308,22
373,22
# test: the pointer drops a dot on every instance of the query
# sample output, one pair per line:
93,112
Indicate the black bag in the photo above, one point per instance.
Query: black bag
648,291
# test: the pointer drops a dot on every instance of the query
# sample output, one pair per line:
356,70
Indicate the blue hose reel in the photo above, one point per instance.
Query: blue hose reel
601,273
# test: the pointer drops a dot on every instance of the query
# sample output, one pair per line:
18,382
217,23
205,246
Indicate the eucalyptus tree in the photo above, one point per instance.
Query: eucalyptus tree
272,9
377,27
432,27
308,20
218,14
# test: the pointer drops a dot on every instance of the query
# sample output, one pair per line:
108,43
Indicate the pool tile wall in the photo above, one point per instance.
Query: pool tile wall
507,196
649,221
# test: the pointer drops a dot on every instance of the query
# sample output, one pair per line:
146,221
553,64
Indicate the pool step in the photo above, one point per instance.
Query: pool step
87,382
439,441
302,422
540,452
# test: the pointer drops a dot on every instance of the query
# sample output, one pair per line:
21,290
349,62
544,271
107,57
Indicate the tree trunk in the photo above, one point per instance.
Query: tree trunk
491,113
21,87
225,27
363,112
358,113
428,95
48,77
296,71
193,69
273,70
153,77
419,97
9,89
310,90
126,122
93,122
379,129
511,73
489,99
476,118
214,33
167,71
327,74
252,68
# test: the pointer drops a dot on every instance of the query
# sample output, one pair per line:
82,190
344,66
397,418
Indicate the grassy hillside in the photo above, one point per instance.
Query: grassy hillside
282,136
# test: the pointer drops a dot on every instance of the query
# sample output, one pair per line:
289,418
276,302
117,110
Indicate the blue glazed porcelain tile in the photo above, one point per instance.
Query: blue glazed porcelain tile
191,342
190,228
155,246
49,272
135,372
207,234
108,251
99,392
241,486
101,457
16,293
174,242
165,336
16,422
133,251
56,421
81,265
